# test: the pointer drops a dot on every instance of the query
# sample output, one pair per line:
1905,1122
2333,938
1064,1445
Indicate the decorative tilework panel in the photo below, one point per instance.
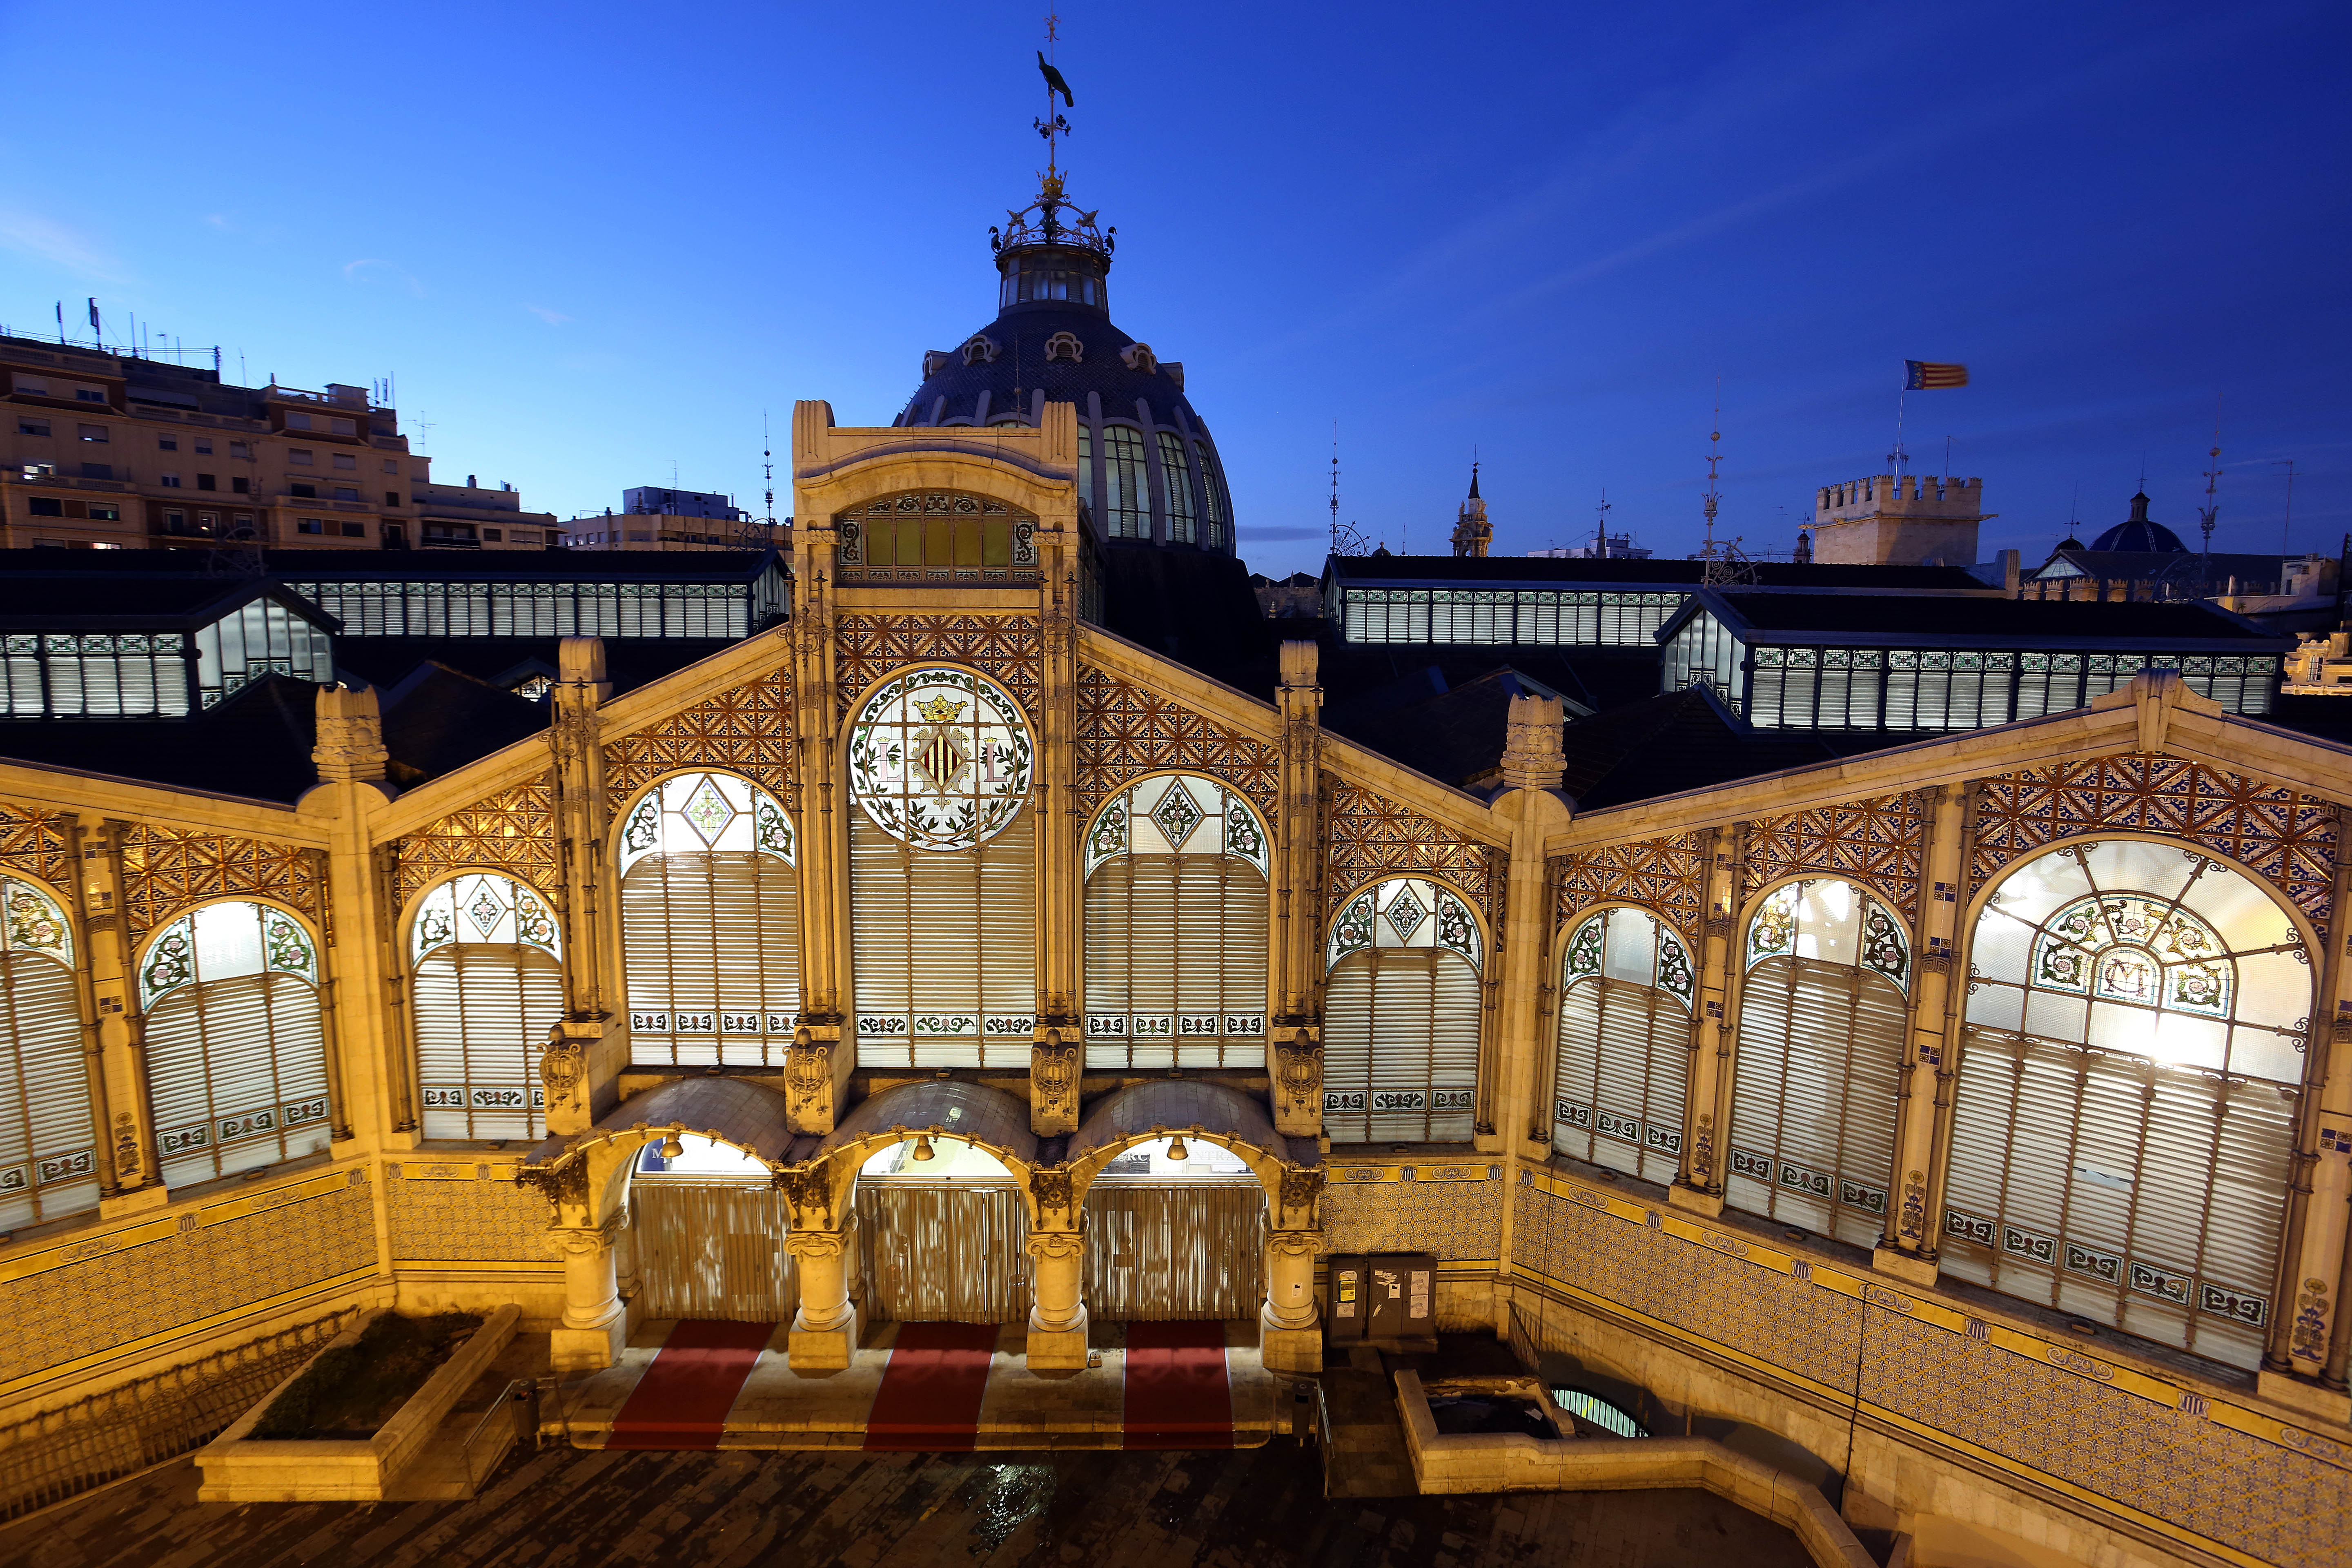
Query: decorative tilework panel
513,831
469,1220
83,1309
35,843
1007,649
1668,875
165,869
1372,836
2286,837
747,730
1878,841
1126,730
1456,1219
2256,1496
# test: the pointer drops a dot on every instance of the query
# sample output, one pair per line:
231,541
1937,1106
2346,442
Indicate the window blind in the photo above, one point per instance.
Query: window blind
483,1013
944,946
1176,962
237,1073
1624,1058
1400,1046
712,959
49,1163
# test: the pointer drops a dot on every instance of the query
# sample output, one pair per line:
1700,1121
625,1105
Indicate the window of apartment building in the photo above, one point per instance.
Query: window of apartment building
239,484
245,521
304,493
32,427
343,426
168,481
176,519
493,535
105,511
297,422
44,506
309,525
298,454
208,521
98,470
207,482
345,492
391,466
32,388
88,395
167,442
523,536
239,450
92,432
345,460
355,531
392,498
205,446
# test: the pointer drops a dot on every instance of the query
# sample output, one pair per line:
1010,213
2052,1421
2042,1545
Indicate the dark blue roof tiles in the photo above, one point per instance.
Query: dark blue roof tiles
2139,532
1019,368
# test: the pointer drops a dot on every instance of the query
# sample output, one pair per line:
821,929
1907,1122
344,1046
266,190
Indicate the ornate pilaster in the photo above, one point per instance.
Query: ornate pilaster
1530,811
596,1324
111,1023
1055,1064
1053,1078
584,1053
1699,1185
1298,987
825,829
2311,1339
1908,1246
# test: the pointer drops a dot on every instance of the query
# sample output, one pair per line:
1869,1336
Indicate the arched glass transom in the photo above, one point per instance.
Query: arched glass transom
484,906
1627,984
2122,1144
1408,912
706,813
940,759
1832,921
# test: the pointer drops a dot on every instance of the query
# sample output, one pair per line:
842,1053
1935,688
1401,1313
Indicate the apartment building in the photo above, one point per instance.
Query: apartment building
100,450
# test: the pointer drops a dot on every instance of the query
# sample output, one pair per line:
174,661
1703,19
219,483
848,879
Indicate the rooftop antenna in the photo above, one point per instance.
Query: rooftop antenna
2210,512
1600,530
1335,487
1720,565
768,468
2287,526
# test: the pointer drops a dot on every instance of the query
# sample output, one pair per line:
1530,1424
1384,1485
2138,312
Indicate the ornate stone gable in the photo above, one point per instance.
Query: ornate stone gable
512,831
1667,876
1880,842
747,730
2285,837
36,843
1126,730
1373,836
1008,648
167,870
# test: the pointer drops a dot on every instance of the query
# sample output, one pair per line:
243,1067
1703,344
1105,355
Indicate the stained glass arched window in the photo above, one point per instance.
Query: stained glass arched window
1626,989
1818,1062
942,873
1177,869
711,934
1400,1015
237,1061
48,1149
2130,1070
489,960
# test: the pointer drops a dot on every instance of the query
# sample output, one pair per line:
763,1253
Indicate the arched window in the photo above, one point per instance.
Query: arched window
49,1151
942,873
711,930
1177,869
1624,1045
2132,1061
1213,507
1127,483
1177,475
488,961
1401,1015
1819,1060
236,1063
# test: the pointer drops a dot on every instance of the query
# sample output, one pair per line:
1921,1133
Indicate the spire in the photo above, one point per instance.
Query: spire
1474,481
1471,532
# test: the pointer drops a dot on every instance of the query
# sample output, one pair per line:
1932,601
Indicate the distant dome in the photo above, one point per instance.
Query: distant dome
2137,532
1149,472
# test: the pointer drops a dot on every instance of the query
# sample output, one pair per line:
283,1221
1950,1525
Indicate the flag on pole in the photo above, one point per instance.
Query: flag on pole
1925,377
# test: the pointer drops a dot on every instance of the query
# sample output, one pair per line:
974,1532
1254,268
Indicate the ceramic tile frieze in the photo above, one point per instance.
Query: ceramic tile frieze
1879,842
1007,649
2286,837
747,730
1126,730
1667,876
1372,837
465,1213
1452,1208
37,844
167,869
512,831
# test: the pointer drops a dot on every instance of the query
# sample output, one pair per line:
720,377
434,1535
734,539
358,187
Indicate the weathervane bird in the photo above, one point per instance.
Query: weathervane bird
1053,82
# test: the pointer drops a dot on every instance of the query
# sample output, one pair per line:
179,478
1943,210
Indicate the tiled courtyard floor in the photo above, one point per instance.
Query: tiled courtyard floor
1261,1508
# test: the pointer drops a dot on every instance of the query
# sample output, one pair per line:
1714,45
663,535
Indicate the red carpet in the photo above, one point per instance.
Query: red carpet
1177,1395
930,1393
683,1399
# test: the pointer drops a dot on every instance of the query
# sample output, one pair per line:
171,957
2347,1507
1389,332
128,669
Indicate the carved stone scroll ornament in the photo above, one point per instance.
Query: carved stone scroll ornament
1298,1069
809,1194
808,1073
1051,1187
814,1242
1053,1072
562,1065
1297,1243
565,1181
1060,1245
1301,1187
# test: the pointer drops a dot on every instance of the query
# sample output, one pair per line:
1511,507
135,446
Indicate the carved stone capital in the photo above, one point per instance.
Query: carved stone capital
1297,1244
1533,757
818,1243
1061,1245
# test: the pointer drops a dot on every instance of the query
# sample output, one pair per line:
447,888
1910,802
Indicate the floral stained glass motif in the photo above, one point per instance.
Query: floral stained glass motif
698,813
1176,816
484,906
222,941
1832,920
1180,814
940,759
2134,950
1398,913
34,922
1632,945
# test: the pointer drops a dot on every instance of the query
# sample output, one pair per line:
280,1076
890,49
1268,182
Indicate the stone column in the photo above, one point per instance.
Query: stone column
825,1330
1295,1028
1058,1317
586,1051
1531,810
1907,1248
596,1324
822,1058
2311,1339
1059,1026
130,1179
1699,1187
1290,1329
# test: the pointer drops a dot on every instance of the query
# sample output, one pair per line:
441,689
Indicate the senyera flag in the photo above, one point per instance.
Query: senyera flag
1925,377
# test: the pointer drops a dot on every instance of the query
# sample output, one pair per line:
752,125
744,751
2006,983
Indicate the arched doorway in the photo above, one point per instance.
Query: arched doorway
710,1228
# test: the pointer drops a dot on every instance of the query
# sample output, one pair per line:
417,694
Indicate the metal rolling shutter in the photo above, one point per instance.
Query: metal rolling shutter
933,1252
939,936
717,936
1228,959
1155,942
229,1049
483,1012
1813,1086
1109,960
2244,1222
45,1111
1161,1251
708,1251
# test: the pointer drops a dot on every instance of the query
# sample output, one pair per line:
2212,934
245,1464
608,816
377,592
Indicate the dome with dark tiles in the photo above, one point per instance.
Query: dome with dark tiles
2137,532
1149,471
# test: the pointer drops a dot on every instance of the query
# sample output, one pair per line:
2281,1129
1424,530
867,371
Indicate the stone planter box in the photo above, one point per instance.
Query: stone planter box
238,1468
1500,1462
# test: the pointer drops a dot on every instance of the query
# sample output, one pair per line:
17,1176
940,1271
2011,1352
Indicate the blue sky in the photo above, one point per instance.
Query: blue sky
594,241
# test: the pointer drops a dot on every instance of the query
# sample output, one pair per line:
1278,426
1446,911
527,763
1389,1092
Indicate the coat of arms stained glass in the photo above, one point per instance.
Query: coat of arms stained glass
940,759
